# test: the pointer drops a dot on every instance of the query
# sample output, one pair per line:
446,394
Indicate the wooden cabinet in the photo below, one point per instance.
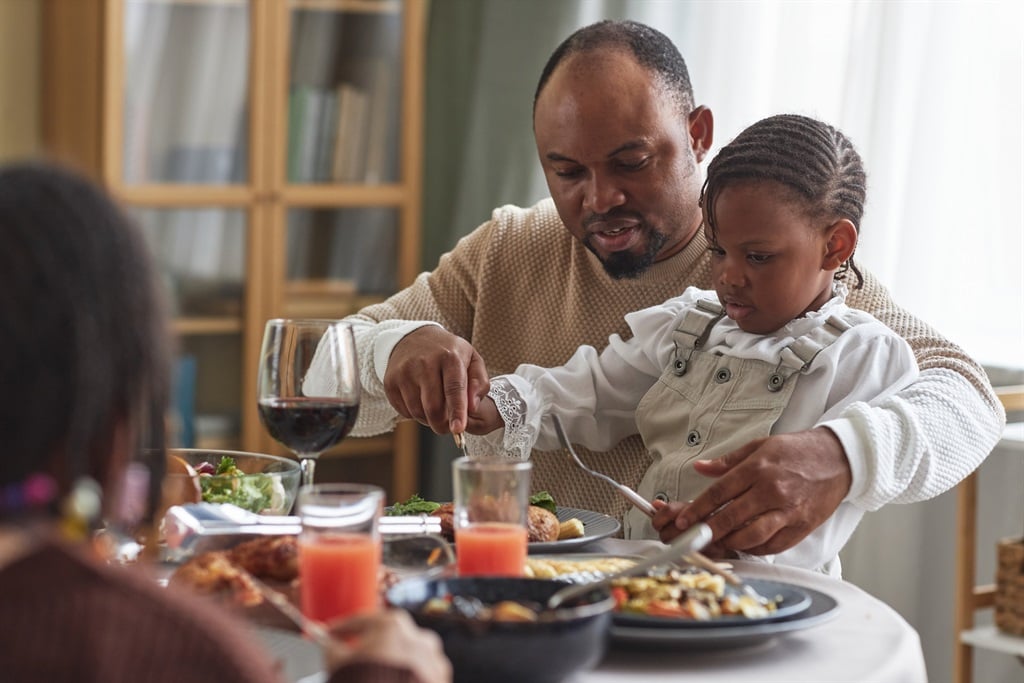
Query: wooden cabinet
271,151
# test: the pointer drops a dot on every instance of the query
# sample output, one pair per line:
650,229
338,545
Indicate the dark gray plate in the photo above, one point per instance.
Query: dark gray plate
822,608
595,527
792,601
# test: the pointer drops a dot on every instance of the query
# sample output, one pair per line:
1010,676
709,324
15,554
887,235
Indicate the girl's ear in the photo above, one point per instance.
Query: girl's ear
842,240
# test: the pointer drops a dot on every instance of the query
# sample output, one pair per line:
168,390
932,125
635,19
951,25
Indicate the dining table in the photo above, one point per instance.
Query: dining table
850,636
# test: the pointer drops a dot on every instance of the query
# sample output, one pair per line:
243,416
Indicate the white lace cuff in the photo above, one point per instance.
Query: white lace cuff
519,438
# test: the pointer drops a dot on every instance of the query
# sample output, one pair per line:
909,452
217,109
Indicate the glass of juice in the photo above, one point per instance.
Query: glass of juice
492,495
339,549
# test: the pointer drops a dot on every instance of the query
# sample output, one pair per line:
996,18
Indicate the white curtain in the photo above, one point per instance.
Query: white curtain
931,94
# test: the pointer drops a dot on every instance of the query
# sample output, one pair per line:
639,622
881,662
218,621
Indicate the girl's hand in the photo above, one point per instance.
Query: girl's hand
389,637
485,419
664,520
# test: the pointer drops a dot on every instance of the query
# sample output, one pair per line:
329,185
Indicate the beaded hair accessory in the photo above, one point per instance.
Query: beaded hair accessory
36,492
79,510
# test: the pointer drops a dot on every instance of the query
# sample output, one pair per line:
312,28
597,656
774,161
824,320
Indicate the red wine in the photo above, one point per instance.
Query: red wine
308,426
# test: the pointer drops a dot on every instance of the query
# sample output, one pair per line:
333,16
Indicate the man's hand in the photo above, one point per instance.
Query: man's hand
435,377
771,492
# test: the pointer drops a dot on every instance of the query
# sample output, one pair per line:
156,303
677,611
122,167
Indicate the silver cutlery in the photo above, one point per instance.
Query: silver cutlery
691,540
312,628
629,494
460,442
694,557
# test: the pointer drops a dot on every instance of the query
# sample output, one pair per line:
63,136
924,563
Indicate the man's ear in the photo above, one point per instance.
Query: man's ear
702,131
842,240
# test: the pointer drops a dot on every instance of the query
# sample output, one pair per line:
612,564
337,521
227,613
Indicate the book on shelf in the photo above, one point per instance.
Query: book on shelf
310,127
383,118
183,403
326,135
296,103
350,133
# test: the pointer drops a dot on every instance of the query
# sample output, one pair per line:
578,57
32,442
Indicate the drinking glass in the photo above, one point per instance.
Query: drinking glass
308,386
492,496
339,549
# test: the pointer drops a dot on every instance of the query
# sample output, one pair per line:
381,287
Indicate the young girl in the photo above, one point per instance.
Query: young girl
773,349
85,379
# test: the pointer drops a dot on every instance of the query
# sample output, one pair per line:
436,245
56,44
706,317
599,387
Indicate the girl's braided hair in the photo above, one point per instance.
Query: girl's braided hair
816,162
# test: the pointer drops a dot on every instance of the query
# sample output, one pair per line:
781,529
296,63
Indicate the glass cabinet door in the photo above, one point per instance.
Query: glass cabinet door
339,260
201,256
186,81
344,92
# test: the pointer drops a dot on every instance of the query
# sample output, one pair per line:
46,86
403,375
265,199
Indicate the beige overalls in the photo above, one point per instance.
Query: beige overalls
706,405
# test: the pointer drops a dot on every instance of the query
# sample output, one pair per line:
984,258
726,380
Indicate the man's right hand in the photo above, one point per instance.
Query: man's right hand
435,378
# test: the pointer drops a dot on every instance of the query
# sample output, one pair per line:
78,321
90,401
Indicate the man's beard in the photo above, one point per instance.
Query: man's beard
627,265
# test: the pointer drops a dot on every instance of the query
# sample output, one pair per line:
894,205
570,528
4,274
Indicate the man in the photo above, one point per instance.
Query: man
620,141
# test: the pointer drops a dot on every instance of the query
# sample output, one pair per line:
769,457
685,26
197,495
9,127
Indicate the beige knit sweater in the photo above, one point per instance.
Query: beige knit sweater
521,289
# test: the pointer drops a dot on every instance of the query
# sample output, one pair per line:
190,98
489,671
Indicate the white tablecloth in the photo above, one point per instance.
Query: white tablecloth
867,641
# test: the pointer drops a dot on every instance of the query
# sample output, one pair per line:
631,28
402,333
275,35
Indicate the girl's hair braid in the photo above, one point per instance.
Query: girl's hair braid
814,160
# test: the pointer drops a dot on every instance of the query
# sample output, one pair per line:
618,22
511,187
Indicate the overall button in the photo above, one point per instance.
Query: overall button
693,438
662,496
723,375
679,367
775,382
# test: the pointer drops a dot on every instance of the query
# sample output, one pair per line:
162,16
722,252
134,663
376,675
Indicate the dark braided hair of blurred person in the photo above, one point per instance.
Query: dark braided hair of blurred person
83,336
651,48
816,162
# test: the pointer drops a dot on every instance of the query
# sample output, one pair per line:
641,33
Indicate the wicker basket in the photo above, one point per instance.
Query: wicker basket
1010,586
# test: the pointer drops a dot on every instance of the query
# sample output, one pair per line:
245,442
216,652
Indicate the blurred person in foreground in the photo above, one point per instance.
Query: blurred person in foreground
620,140
84,368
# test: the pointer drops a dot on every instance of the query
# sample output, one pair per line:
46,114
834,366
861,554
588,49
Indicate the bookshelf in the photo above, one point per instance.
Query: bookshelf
271,150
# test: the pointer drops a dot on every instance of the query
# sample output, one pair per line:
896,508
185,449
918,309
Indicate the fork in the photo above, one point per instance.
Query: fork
694,557
630,495
460,442
312,628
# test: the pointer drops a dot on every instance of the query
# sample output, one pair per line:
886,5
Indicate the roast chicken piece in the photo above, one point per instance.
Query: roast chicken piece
542,525
269,557
213,574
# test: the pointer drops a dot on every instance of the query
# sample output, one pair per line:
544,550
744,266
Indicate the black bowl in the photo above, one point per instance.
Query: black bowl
569,639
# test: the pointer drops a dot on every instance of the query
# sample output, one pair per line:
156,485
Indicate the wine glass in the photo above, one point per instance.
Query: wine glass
308,386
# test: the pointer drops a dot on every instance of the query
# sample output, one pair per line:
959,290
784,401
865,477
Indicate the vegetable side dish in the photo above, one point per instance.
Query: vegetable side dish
225,483
685,595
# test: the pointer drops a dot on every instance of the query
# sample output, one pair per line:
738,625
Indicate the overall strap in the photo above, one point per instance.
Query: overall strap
693,332
801,352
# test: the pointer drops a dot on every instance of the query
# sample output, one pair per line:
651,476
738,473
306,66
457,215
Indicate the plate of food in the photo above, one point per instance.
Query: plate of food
697,599
551,528
704,636
592,526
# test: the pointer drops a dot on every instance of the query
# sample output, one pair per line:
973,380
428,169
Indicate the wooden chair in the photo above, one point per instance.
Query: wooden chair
970,597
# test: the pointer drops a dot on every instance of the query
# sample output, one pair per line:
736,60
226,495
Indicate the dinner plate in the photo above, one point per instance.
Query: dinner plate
823,607
791,601
595,527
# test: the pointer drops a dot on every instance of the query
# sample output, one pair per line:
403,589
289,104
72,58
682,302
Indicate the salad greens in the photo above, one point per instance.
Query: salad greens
415,505
543,499
228,484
